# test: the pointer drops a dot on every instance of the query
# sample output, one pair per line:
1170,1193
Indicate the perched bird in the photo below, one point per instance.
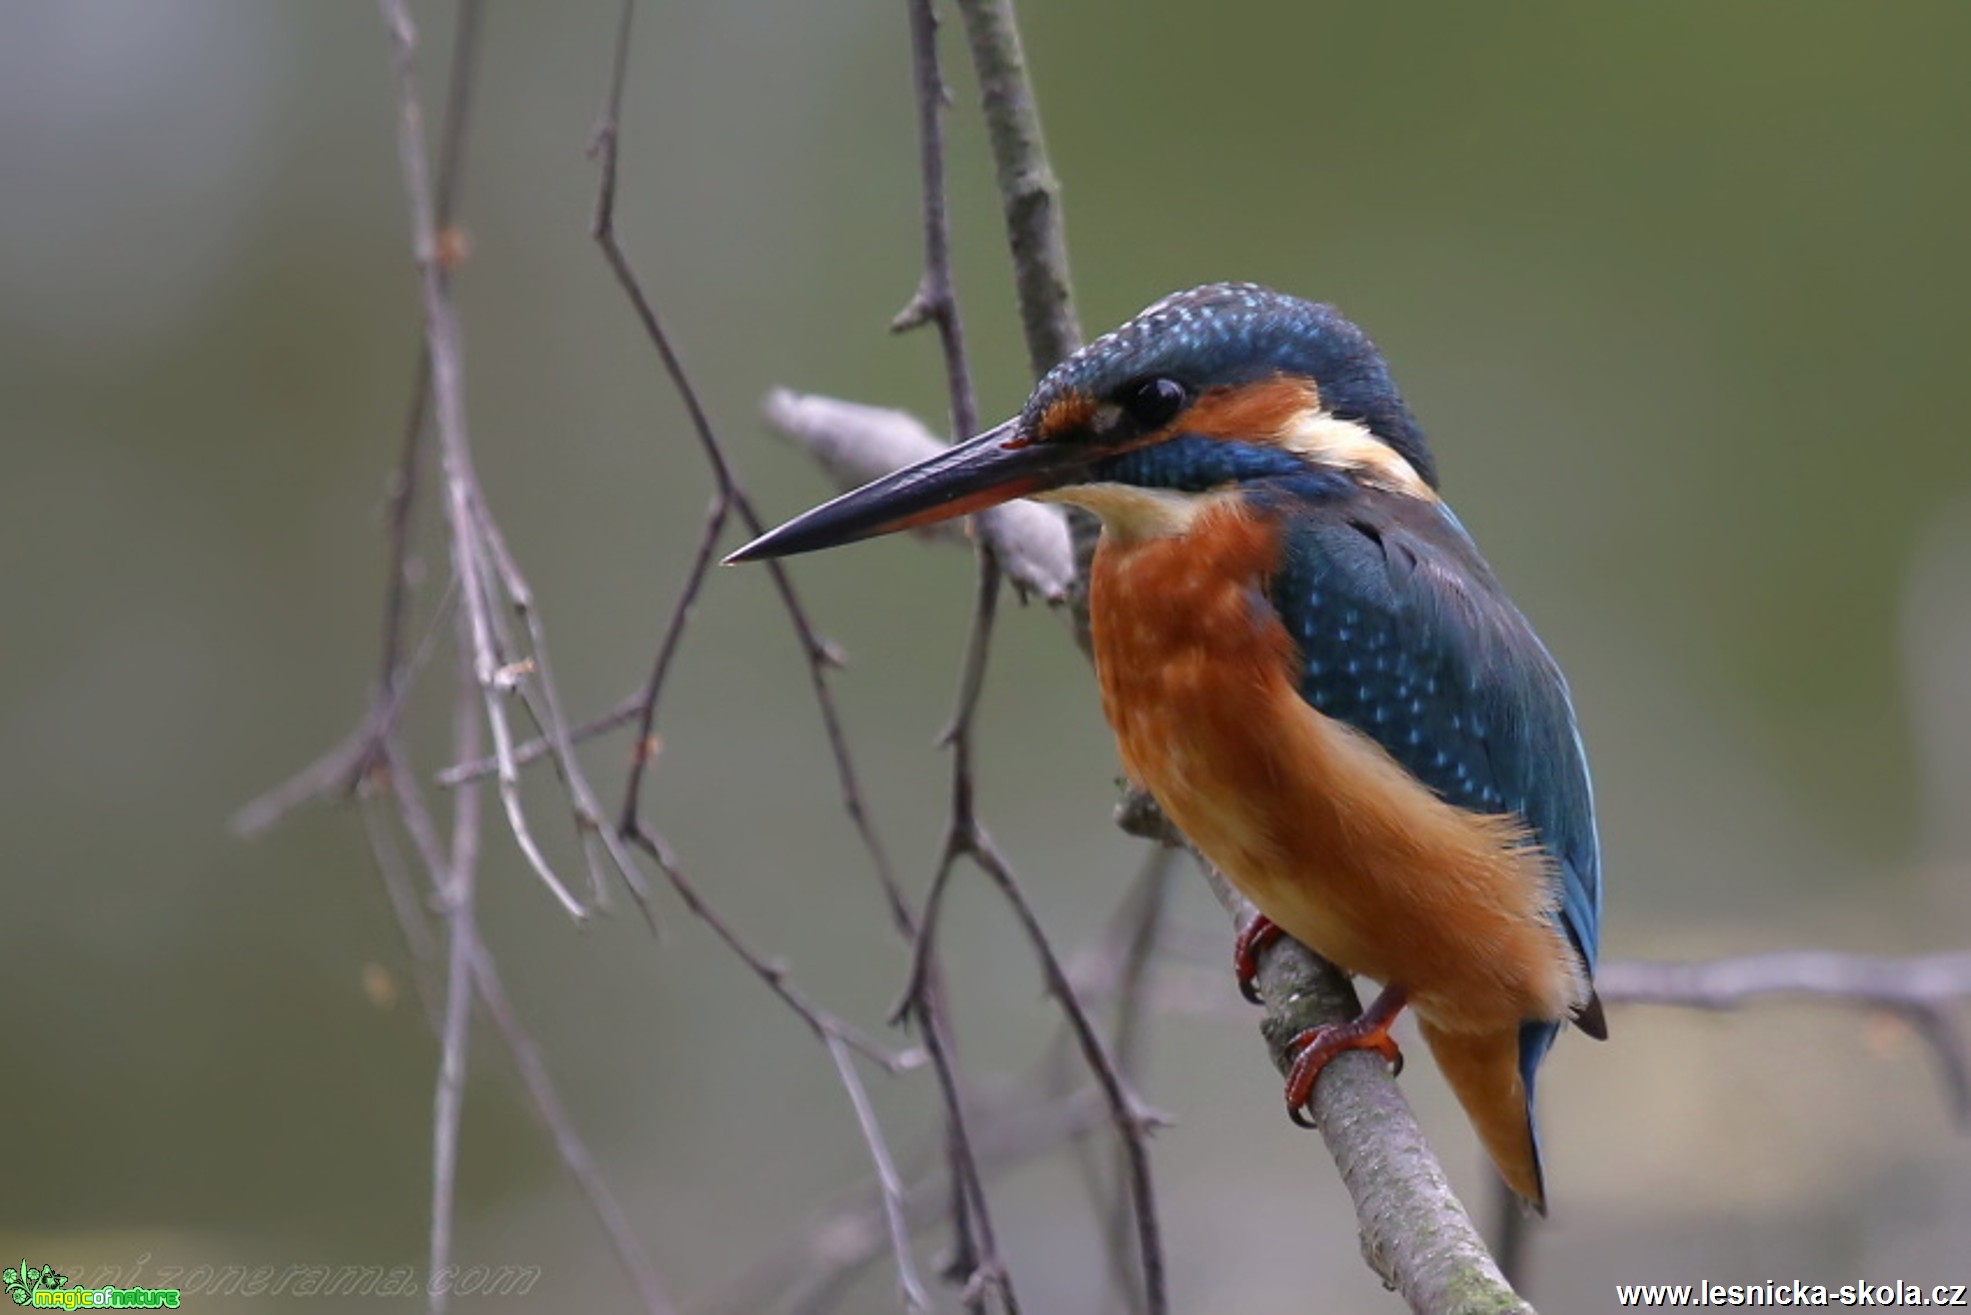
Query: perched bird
1310,667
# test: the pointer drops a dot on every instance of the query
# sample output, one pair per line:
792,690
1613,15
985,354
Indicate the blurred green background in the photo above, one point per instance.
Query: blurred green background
1679,292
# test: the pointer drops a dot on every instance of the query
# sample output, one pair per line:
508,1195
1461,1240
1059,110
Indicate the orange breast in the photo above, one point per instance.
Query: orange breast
1319,827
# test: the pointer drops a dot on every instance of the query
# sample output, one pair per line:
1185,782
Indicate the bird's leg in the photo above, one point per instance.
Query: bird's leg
1251,943
1313,1048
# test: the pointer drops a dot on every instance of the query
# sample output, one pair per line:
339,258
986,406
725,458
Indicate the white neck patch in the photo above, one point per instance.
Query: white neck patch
1348,445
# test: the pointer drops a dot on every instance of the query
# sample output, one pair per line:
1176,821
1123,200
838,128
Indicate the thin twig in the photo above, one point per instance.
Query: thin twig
540,695
975,1259
457,901
464,504
411,922
821,656
627,710
527,1061
481,568
340,769
646,708
1146,910
809,1271
968,838
1132,1119
935,302
731,500
568,1144
457,887
889,1183
772,972
403,491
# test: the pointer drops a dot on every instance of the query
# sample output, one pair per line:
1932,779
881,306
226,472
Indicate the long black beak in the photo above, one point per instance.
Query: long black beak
997,466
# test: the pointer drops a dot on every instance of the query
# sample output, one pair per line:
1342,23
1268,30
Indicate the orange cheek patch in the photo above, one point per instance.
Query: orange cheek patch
1066,414
1251,411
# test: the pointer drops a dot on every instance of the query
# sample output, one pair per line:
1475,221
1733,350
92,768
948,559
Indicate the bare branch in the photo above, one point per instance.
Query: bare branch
821,656
457,899
457,886
825,1025
1416,1234
415,816
340,769
809,1271
653,689
1132,1119
968,838
935,302
403,491
1921,991
472,553
730,499
889,1184
975,1260
1028,189
1141,929
568,1144
1031,1118
483,571
1036,232
627,710
854,444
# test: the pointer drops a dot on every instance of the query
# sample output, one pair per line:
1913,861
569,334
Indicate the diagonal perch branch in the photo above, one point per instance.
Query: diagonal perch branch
1416,1234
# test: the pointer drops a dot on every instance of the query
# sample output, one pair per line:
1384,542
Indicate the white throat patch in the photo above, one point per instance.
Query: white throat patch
1131,513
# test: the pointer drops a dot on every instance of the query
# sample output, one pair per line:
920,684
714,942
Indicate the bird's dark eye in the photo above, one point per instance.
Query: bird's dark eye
1152,402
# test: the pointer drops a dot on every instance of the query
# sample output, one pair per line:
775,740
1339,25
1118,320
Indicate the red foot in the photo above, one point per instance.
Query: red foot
1316,1046
1251,943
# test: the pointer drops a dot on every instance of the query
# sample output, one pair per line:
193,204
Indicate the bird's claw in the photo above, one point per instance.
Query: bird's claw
1253,940
1313,1049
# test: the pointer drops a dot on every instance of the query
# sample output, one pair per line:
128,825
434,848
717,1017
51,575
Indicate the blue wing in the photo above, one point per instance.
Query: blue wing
1404,634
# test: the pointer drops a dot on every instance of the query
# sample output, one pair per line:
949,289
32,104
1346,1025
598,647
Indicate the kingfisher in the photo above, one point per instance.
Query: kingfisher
1309,666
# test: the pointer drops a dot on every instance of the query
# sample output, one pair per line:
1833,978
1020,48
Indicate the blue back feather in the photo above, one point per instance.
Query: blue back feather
1404,634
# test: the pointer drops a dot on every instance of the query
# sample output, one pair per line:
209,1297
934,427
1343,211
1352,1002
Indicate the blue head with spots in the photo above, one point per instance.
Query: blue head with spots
1228,384
1218,339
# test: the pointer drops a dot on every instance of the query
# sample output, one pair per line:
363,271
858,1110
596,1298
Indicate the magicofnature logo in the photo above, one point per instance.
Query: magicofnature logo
25,1280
